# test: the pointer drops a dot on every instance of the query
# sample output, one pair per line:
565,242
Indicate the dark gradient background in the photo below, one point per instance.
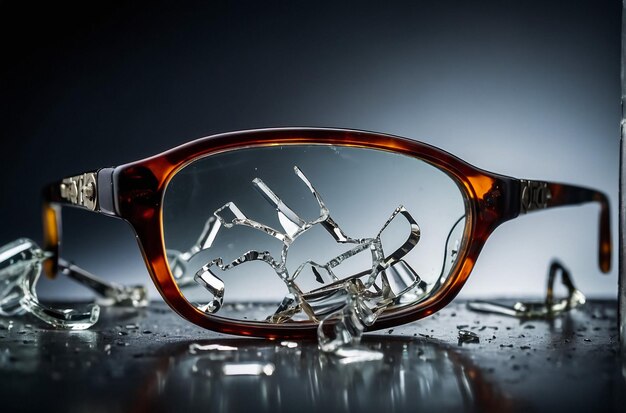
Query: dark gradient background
529,89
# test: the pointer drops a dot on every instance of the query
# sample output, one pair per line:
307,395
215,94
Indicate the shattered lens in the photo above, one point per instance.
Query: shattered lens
308,233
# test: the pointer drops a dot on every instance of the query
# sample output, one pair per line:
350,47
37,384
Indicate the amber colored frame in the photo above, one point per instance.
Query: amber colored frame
134,192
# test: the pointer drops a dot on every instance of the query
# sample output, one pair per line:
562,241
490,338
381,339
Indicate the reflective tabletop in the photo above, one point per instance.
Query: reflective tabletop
152,360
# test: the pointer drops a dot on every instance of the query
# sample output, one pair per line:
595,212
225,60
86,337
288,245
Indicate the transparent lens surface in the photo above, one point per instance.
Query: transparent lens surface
292,233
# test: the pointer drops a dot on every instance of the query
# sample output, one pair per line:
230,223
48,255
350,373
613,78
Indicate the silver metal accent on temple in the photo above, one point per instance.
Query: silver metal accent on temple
533,195
81,190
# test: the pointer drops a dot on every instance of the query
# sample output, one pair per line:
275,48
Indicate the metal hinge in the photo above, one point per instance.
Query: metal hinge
81,190
533,195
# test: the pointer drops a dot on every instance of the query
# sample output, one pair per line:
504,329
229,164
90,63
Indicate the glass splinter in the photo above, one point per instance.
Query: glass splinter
178,260
342,307
211,282
547,309
110,293
20,268
466,336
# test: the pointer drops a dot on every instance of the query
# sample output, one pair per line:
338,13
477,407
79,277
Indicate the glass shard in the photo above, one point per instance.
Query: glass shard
20,269
547,309
343,306
214,285
287,309
466,336
110,293
21,265
178,260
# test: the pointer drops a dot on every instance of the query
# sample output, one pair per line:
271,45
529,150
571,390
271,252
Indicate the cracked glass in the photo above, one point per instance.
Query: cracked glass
319,234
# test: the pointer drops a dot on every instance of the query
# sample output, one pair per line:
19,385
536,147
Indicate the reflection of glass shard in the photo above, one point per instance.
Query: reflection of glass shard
343,307
357,355
196,348
248,369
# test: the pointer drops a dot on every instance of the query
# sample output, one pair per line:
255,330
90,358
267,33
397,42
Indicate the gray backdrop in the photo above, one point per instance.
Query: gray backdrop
528,89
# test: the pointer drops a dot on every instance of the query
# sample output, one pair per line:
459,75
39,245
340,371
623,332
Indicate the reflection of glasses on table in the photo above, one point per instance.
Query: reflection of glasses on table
271,232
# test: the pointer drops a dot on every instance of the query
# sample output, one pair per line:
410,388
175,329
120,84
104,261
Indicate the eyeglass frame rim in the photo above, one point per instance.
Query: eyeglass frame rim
134,192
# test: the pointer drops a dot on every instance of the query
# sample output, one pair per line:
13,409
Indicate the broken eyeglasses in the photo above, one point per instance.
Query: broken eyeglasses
295,232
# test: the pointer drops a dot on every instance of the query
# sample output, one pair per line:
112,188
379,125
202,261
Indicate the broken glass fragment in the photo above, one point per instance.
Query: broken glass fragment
343,307
466,336
21,265
110,293
547,309
178,260
287,309
20,269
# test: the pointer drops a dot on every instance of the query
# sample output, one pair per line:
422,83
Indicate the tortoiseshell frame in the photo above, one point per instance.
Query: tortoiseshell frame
134,192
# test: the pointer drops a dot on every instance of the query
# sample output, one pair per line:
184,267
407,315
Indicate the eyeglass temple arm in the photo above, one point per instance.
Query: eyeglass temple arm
537,195
92,191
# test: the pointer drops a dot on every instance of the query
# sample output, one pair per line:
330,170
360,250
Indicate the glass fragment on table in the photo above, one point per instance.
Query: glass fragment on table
21,263
20,269
466,336
537,310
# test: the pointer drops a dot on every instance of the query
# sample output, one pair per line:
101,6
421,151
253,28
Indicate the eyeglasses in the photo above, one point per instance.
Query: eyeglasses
280,233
